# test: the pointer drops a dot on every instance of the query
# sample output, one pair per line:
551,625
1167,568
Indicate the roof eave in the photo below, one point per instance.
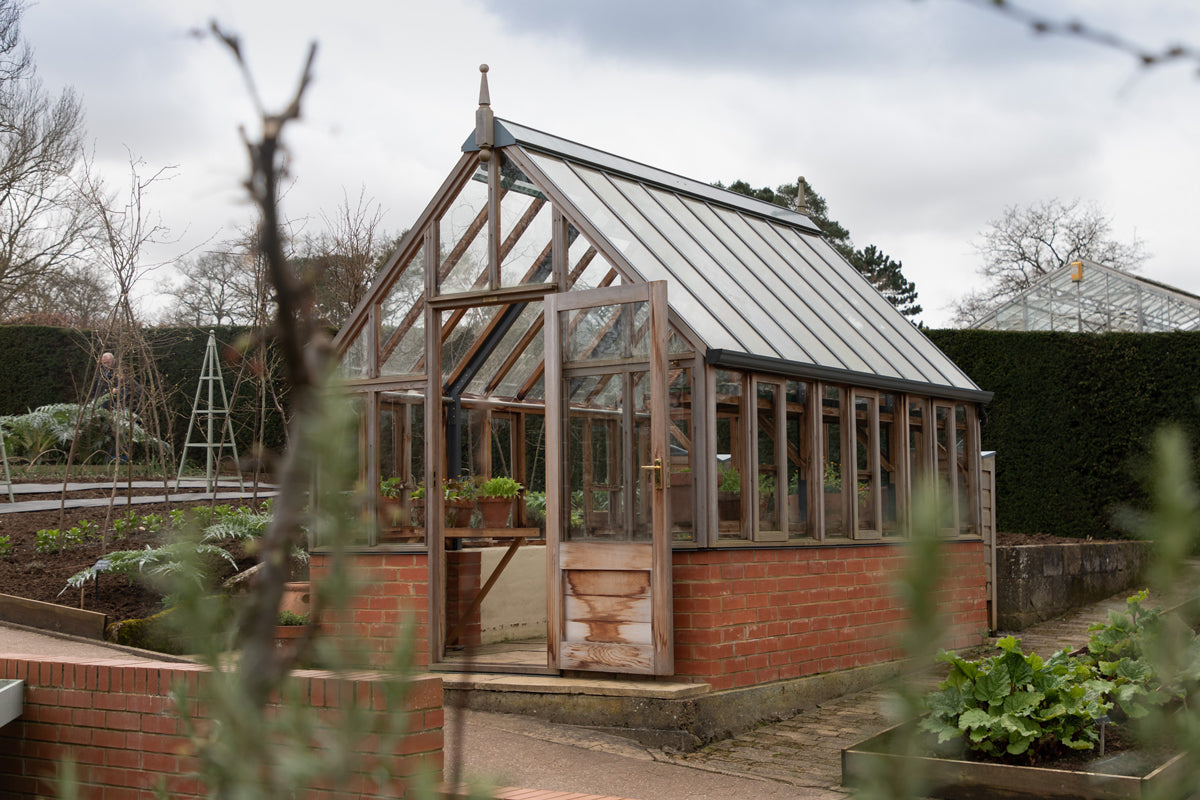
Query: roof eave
746,361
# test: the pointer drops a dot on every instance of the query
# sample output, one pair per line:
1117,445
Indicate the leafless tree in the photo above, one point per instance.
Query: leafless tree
1025,243
345,256
216,287
43,219
78,295
125,229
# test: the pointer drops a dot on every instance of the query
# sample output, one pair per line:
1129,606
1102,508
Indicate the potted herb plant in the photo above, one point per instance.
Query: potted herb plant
729,493
460,501
390,510
417,498
289,627
681,496
495,501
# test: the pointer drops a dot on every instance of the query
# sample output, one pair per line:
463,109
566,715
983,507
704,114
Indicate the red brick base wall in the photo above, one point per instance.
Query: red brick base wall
742,616
117,721
463,581
745,617
393,592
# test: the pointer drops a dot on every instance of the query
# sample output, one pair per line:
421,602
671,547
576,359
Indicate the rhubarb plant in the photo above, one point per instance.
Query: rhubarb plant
1017,704
1120,651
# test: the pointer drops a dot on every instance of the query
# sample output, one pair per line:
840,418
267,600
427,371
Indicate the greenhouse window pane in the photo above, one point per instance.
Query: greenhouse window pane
354,360
463,236
526,316
402,321
606,332
466,328
525,229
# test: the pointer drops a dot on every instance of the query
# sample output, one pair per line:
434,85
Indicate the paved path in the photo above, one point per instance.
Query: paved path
796,758
121,500
805,751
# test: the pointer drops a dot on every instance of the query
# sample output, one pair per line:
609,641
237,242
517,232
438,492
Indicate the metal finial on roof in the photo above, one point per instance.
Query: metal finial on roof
485,134
801,196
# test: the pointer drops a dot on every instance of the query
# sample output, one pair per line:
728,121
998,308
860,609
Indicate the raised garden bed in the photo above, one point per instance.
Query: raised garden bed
1127,774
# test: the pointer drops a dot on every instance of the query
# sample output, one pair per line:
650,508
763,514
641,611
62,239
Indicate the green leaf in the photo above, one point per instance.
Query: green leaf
1021,726
993,686
1009,643
1018,746
974,719
1052,712
1022,702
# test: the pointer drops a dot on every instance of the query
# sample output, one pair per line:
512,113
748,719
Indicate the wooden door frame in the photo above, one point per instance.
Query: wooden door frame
655,293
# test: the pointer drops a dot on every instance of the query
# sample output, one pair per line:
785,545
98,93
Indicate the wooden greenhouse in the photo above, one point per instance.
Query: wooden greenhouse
716,421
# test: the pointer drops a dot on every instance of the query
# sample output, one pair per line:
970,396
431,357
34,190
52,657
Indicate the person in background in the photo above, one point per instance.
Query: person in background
106,377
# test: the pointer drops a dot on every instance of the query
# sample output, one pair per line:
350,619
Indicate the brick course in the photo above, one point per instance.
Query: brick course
117,720
742,616
746,617
393,595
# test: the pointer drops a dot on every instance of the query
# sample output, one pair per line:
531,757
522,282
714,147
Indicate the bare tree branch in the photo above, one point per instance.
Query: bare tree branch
1077,29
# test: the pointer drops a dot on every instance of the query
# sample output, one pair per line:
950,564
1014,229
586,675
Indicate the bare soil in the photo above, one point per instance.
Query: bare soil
26,573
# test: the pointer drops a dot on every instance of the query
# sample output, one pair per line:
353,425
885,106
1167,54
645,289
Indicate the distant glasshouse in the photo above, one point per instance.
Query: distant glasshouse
716,421
1087,297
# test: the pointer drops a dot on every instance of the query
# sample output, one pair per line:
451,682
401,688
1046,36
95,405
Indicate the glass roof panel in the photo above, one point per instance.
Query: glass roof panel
710,298
897,341
907,352
746,290
726,236
845,342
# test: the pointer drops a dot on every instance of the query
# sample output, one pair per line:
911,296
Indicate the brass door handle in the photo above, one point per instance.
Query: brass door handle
657,466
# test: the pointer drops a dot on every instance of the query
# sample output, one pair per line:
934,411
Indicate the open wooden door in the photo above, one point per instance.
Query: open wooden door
607,532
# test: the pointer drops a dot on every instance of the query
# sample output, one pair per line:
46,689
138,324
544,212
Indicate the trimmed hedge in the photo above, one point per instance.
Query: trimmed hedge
45,365
1073,418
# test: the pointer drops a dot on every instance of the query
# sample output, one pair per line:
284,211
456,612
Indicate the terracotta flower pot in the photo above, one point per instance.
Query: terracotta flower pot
458,513
297,598
390,511
495,511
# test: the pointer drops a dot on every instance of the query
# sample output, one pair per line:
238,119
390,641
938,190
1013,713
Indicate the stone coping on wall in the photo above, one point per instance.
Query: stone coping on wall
1037,582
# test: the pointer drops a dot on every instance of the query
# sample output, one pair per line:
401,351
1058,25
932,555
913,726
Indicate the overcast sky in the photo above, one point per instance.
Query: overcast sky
919,121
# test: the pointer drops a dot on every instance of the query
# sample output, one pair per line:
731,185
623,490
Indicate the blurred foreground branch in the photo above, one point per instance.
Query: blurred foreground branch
1078,29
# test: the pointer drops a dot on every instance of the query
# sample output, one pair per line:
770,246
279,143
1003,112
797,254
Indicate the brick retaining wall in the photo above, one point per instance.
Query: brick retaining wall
116,719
